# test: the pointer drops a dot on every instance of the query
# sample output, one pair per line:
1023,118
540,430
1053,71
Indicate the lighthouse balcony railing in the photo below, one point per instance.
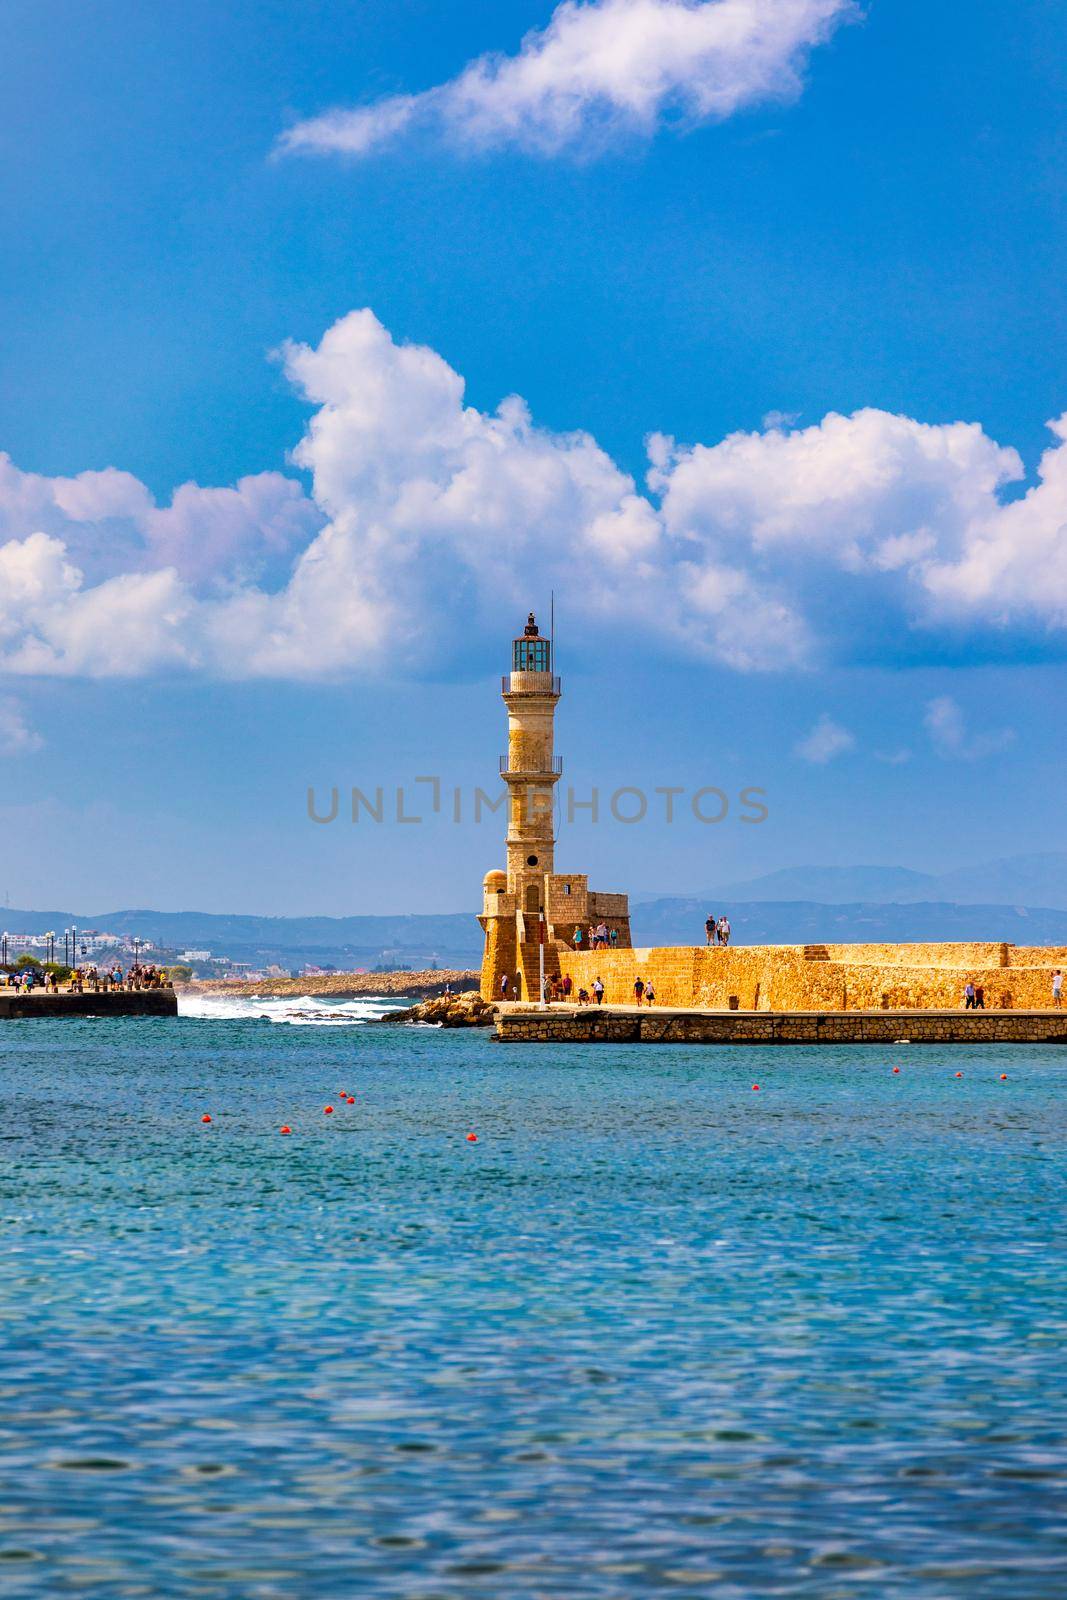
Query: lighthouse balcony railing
539,772
554,686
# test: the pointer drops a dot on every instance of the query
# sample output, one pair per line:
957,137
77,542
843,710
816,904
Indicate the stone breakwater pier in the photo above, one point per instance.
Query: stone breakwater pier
819,977
805,994
114,1003
519,1024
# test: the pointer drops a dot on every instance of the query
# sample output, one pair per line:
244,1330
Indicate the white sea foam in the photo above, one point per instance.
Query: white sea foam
308,1011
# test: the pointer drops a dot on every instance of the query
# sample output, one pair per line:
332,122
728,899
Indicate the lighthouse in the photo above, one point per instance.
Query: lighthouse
529,907
531,769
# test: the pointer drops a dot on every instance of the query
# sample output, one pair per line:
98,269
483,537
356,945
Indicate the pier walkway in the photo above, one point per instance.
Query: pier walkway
110,1003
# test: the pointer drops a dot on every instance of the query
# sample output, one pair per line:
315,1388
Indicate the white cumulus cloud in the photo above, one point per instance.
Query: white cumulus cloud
601,68
430,522
109,521
947,728
825,741
17,738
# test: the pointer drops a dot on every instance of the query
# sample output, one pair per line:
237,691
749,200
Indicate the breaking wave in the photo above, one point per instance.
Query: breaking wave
307,1011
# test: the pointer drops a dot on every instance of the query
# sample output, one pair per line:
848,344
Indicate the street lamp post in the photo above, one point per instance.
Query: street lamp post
541,962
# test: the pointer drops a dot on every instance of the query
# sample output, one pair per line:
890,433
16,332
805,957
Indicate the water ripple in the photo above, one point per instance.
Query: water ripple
645,1335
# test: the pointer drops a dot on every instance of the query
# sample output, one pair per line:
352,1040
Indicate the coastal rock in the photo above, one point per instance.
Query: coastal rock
466,1010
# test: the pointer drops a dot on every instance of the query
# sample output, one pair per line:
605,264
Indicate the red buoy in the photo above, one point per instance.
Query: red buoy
285,1128
472,1138
959,1074
896,1069
755,1086
1003,1077
327,1111
351,1099
205,1118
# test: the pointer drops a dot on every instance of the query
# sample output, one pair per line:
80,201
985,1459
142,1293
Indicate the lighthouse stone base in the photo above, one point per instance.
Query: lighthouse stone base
512,932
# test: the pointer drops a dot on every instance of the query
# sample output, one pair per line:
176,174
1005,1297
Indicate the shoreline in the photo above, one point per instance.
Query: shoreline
337,985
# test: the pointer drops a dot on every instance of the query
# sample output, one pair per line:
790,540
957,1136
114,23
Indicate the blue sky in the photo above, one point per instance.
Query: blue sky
831,291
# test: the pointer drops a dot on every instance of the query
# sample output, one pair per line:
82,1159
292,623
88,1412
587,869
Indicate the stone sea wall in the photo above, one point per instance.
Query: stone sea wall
593,1025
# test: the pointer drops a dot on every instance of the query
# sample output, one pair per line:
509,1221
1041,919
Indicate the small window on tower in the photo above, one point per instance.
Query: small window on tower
566,888
531,861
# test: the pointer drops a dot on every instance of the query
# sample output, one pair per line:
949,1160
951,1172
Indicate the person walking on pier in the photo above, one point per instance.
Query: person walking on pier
968,996
979,997
1057,987
650,993
578,940
710,926
504,983
724,930
639,990
598,990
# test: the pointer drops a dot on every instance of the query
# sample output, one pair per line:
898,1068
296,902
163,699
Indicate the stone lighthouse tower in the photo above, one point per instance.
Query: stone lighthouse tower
530,904
531,769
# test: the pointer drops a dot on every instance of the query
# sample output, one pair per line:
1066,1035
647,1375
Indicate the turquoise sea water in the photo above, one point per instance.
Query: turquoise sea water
654,1333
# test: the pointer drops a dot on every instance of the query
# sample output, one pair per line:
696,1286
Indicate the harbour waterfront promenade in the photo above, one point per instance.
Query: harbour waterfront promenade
19,1005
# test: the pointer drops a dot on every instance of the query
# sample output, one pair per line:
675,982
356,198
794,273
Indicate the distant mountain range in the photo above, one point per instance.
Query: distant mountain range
681,921
1022,880
454,940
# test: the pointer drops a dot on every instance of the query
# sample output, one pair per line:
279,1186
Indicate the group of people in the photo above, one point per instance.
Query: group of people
91,979
974,993
599,938
717,930
24,979
562,990
138,977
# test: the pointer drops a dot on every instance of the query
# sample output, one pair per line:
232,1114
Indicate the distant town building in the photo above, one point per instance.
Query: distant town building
91,940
